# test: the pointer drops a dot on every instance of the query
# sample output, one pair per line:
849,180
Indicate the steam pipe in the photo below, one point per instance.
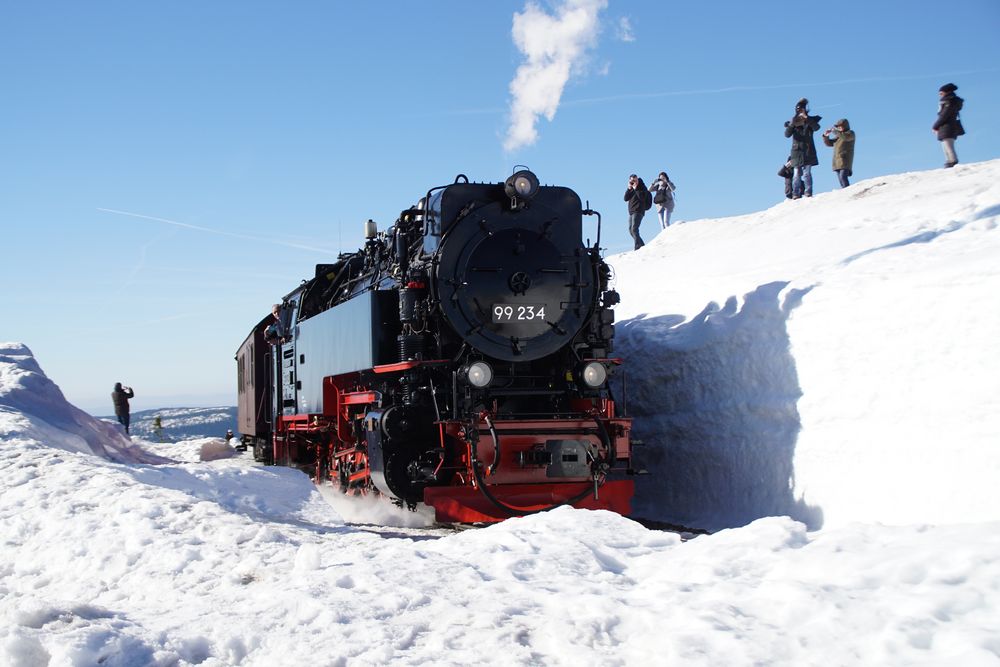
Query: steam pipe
496,445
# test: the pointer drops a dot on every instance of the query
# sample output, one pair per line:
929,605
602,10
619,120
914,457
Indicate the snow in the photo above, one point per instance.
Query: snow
32,408
852,371
834,420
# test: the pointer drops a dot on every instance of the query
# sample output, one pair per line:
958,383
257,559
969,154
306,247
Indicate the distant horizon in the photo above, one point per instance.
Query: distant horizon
135,408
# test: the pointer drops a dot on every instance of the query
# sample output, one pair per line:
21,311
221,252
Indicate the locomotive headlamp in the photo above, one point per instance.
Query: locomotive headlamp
522,185
479,374
594,374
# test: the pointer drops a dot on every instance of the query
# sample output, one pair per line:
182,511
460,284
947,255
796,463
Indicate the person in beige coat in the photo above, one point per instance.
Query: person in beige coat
841,138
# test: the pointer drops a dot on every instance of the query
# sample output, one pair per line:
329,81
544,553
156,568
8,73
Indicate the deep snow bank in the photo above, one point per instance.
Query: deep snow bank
34,410
851,372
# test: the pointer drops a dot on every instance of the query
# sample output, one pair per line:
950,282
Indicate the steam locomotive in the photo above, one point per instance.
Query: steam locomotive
460,359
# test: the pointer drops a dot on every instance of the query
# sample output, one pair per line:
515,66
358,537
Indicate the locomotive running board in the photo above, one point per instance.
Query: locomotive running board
469,505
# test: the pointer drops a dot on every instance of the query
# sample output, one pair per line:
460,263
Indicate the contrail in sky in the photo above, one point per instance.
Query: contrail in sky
776,86
220,232
734,89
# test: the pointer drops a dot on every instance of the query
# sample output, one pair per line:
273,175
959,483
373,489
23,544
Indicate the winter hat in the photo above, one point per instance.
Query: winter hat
948,88
843,123
801,104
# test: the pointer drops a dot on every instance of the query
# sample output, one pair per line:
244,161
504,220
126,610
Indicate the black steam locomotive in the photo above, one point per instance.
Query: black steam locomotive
460,359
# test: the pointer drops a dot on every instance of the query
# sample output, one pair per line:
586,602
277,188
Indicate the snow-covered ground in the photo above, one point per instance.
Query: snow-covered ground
848,378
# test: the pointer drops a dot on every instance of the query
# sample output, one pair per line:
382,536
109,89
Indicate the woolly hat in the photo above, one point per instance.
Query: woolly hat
948,88
801,104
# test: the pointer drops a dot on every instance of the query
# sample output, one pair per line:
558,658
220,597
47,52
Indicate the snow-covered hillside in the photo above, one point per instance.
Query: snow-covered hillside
34,411
834,359
848,377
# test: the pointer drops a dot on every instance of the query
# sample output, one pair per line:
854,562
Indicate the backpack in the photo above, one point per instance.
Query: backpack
664,194
647,200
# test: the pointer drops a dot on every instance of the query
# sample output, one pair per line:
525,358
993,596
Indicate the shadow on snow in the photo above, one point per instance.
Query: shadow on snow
714,399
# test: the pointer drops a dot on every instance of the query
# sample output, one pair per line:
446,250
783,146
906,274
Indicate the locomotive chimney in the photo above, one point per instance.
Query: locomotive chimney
371,229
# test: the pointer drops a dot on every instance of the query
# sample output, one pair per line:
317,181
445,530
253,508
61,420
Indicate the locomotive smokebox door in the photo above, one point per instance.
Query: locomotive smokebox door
513,282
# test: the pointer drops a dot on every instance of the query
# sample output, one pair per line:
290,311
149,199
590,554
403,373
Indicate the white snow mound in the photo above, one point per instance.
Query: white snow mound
33,410
852,372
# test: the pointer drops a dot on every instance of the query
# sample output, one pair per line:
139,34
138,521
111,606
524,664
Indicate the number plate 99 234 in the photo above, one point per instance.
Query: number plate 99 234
518,312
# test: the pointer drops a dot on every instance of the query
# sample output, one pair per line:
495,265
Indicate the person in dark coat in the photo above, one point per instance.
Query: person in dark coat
841,139
636,195
120,397
948,125
800,128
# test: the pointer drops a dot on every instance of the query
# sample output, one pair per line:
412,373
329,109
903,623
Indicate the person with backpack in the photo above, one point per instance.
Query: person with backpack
664,198
948,125
840,138
639,201
800,128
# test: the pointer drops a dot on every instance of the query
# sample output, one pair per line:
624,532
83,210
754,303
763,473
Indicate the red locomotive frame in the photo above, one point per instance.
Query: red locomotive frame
473,492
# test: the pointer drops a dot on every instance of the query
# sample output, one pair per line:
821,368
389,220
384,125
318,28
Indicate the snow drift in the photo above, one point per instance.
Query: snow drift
851,372
36,411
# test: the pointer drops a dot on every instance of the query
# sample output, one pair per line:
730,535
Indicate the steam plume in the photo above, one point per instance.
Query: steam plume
554,48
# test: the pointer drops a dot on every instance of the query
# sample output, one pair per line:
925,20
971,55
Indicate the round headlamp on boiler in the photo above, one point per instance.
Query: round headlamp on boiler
521,186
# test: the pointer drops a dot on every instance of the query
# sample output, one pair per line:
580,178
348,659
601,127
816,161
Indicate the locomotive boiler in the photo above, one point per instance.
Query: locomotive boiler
460,359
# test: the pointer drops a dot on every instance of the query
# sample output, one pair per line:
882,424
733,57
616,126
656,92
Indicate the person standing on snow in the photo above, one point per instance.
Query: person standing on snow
639,199
120,396
948,125
664,198
841,138
800,128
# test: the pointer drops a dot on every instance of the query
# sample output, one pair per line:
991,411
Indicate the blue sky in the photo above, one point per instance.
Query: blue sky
168,170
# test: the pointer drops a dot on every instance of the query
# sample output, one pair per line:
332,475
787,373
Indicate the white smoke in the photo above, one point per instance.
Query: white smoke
625,33
554,48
